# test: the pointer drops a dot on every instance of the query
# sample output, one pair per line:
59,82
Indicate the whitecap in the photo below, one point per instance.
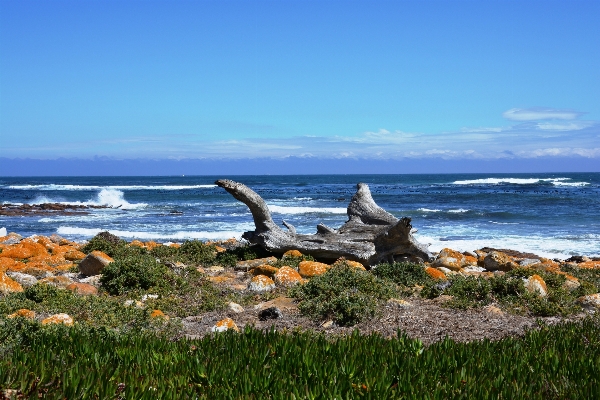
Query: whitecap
114,187
458,211
306,210
428,210
520,181
179,235
107,197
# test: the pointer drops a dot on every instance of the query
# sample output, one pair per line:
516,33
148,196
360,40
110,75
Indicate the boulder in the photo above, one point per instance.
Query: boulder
94,263
261,283
25,280
287,276
308,269
60,281
590,302
224,325
536,284
25,249
62,318
264,269
435,273
269,313
292,253
23,313
8,285
498,261
83,289
235,307
249,264
158,314
353,264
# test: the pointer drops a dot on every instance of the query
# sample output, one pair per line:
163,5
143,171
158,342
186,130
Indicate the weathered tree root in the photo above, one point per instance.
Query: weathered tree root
371,235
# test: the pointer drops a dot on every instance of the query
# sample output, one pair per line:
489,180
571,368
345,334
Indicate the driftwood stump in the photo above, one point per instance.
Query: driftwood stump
371,235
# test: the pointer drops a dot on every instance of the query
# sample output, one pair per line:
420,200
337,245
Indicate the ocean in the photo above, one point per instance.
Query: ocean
552,215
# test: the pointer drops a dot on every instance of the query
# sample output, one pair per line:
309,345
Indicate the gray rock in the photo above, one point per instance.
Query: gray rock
92,280
528,261
236,308
93,264
248,265
25,280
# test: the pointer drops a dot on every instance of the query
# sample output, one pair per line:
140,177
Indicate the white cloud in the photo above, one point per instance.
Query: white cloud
561,126
540,113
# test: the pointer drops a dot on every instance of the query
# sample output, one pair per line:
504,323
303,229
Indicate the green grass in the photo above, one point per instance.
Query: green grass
57,362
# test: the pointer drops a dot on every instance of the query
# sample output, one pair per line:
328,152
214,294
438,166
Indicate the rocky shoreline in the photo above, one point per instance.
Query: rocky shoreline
19,210
264,283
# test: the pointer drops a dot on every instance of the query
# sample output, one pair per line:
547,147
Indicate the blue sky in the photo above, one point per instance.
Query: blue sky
398,80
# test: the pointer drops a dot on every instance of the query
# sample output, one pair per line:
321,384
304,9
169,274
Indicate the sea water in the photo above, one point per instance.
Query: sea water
552,215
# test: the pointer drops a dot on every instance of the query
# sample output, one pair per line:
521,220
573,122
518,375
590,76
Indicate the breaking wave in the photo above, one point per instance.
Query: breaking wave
520,181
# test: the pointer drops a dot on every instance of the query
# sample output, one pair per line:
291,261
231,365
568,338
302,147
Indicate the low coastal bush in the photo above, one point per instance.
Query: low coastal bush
134,272
561,361
403,273
106,243
345,294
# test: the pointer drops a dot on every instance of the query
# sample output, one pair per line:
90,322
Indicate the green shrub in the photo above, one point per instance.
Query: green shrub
165,253
106,243
196,252
403,273
344,294
134,272
40,292
292,262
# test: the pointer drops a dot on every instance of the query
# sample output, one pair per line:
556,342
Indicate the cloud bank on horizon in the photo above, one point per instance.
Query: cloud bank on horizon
230,80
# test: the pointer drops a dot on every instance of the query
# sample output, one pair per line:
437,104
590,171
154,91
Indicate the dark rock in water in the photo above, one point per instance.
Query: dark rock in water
269,313
17,210
577,259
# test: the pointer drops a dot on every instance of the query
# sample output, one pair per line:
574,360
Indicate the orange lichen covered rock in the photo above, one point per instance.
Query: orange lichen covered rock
264,269
498,261
292,253
158,314
64,319
353,264
37,269
585,264
136,243
308,269
287,276
590,302
435,273
84,289
7,285
73,255
224,325
535,283
220,249
249,264
94,262
176,245
23,313
261,283
7,264
57,281
53,260
470,260
23,250
222,278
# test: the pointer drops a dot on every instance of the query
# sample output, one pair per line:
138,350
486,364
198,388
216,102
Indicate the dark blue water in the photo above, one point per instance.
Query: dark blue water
549,214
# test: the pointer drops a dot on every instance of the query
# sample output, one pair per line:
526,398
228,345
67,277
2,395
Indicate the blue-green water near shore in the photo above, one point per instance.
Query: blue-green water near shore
555,215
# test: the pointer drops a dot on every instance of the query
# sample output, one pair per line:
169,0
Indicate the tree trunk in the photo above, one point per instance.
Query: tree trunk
371,235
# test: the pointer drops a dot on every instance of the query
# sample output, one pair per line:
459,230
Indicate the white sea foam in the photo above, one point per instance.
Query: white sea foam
180,235
544,247
520,181
428,210
114,187
306,210
107,197
458,211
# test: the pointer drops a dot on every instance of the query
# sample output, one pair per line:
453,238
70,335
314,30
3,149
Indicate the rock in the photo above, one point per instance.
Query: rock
571,283
493,309
398,303
287,277
25,280
435,273
528,262
147,297
589,264
308,269
73,255
215,269
224,325
23,313
292,253
283,303
261,283
94,263
11,238
265,269
8,285
226,278
136,303
269,313
473,268
220,249
83,289
497,261
39,270
158,314
64,319
327,324
236,308
60,281
25,249
591,302
353,264
535,284
92,280
248,265
450,263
